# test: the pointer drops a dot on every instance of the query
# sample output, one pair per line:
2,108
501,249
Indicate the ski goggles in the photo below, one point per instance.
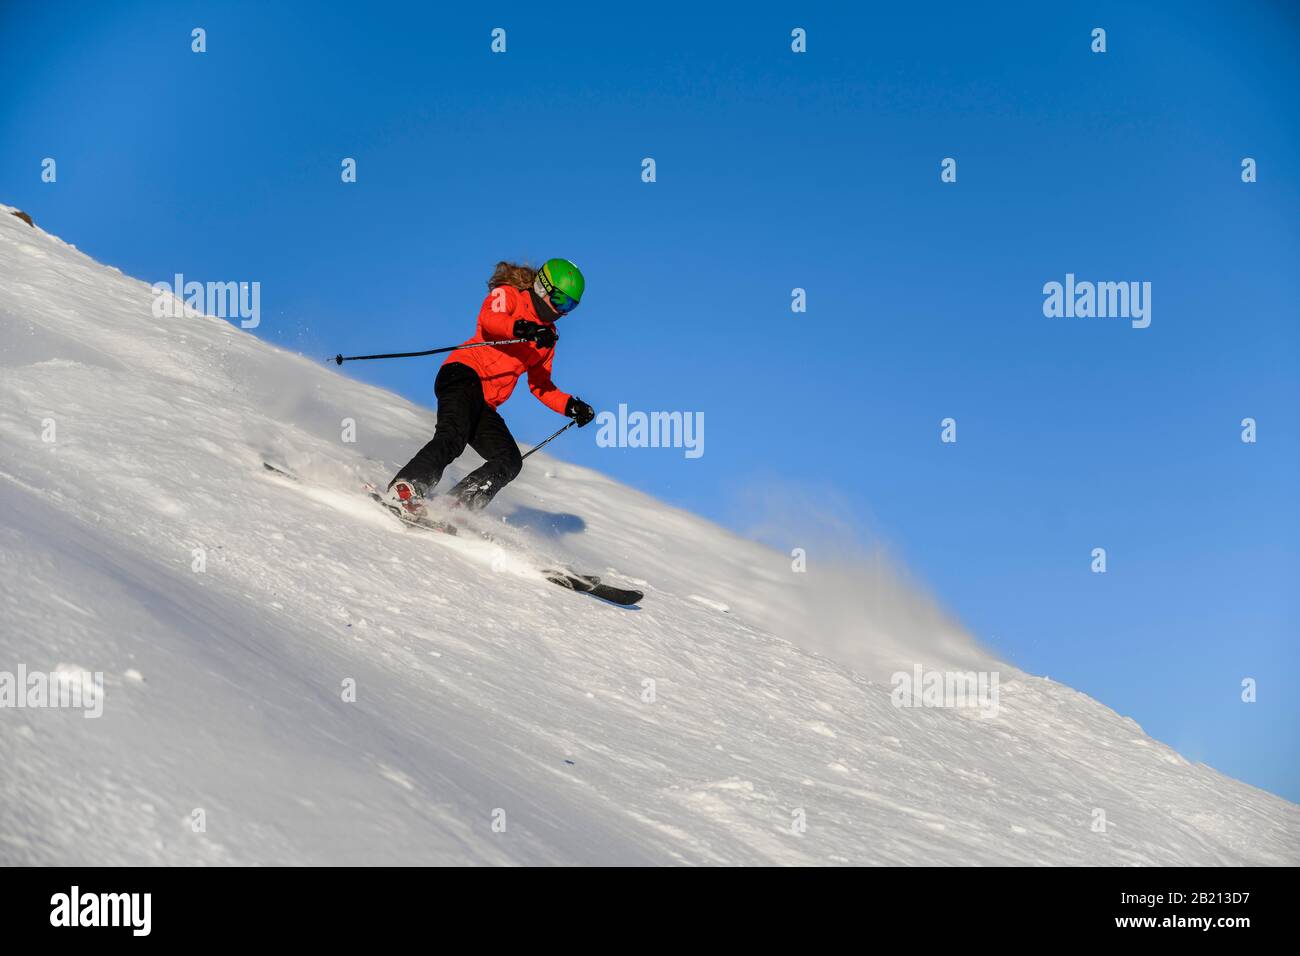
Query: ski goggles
561,302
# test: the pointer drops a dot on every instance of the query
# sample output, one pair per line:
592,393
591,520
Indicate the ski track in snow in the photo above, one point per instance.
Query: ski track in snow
479,687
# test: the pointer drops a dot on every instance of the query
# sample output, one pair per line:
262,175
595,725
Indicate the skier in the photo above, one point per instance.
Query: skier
522,303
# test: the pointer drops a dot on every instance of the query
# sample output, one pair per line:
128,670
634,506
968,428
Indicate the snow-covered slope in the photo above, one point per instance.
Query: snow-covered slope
482,694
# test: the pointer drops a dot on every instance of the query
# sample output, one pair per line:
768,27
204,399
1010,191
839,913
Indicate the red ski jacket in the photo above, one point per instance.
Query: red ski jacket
499,366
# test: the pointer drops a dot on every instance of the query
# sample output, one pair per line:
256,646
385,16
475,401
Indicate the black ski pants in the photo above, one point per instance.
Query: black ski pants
465,418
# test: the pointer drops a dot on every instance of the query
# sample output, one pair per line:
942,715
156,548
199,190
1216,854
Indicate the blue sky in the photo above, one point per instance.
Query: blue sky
777,171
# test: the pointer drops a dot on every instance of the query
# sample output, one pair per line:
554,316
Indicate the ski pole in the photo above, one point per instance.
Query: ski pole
556,435
341,358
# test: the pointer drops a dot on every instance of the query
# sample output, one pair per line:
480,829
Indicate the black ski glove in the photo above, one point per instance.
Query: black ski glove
543,335
579,411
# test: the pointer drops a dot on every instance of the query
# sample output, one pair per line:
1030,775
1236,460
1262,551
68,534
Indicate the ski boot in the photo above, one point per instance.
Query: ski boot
409,495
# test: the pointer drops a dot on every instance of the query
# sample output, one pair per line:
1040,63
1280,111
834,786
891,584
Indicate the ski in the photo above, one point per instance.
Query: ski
590,584
426,524
280,471
569,580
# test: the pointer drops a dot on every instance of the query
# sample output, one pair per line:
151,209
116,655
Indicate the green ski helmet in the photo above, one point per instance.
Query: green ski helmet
560,283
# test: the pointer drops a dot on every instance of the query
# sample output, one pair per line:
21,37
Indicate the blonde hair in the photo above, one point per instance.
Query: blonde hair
514,274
